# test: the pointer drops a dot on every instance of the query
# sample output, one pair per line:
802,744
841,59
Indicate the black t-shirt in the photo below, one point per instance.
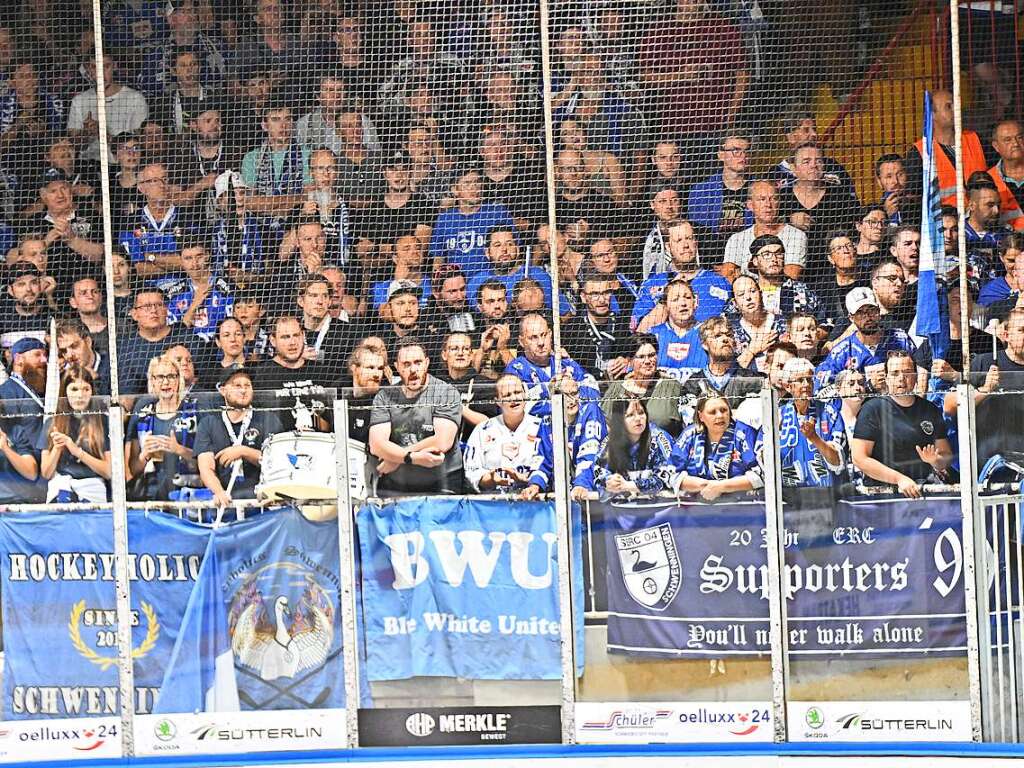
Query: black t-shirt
999,417
593,208
212,436
833,300
292,390
383,224
898,431
332,348
734,210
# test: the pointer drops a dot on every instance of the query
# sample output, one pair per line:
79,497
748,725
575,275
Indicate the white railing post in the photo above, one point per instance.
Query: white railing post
347,573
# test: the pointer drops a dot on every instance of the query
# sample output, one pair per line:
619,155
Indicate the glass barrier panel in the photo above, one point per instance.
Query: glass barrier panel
999,419
59,617
670,487
458,563
877,630
233,492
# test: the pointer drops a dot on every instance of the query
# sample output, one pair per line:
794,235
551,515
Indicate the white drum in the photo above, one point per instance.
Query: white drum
302,466
298,465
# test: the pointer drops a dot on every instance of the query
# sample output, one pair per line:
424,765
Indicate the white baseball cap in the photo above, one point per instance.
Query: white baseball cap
220,185
860,297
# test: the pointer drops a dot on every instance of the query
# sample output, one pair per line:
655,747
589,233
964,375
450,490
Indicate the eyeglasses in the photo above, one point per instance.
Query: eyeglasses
873,222
600,254
164,377
842,247
772,252
890,278
598,293
151,307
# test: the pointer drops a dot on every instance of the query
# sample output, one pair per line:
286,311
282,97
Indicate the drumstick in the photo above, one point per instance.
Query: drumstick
993,327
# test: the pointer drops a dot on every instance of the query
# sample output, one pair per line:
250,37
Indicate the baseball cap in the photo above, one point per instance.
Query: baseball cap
398,287
225,180
860,297
22,269
229,373
762,241
51,175
26,344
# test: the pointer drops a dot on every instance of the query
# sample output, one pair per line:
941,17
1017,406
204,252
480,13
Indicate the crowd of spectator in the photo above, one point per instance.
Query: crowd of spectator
313,199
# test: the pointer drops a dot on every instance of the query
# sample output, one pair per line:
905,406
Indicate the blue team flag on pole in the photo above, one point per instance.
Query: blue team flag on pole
200,674
932,311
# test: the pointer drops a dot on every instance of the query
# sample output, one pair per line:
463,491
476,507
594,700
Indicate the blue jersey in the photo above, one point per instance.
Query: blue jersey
215,308
151,236
802,463
536,378
732,456
586,434
461,239
994,291
852,354
679,350
509,281
135,25
652,473
711,289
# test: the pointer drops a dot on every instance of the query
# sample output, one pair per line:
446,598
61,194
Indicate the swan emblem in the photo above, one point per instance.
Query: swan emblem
298,639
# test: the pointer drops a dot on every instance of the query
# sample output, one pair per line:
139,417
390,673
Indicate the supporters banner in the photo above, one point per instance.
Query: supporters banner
462,588
59,607
874,579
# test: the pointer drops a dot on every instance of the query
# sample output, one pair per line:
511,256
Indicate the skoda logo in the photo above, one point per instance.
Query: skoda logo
421,724
165,730
815,718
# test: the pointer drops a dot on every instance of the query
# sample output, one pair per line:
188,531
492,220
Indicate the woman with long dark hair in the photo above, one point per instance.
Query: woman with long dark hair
76,453
635,456
659,394
755,327
717,454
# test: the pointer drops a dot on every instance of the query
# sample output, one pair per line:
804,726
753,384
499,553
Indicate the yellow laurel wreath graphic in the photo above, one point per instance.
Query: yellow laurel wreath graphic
105,662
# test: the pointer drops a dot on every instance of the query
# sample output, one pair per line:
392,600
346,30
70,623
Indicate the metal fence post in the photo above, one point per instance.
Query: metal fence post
347,573
122,585
566,624
976,603
775,539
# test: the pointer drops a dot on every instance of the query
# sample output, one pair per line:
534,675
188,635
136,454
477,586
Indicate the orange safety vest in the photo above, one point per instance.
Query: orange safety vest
974,160
1010,214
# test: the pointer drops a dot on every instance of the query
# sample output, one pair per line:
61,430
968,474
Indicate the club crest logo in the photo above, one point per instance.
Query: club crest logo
301,462
283,631
651,569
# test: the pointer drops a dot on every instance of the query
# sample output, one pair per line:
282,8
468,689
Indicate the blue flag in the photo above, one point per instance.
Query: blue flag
200,674
932,311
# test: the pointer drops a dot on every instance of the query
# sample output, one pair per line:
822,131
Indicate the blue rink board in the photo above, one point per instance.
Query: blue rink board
412,754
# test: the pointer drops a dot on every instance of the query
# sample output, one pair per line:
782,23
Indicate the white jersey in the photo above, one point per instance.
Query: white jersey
492,445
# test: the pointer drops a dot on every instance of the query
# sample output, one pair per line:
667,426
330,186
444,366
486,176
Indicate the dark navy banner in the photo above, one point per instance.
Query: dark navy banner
871,579
462,588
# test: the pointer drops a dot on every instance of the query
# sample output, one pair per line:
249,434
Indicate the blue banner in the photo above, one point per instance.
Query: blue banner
462,588
60,627
870,579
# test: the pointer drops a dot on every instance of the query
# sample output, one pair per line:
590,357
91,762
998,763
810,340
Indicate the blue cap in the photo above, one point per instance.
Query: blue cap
26,345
